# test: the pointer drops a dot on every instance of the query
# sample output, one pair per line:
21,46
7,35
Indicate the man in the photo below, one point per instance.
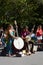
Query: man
25,32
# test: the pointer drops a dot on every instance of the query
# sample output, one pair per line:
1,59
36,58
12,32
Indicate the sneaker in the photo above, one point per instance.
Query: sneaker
29,53
23,55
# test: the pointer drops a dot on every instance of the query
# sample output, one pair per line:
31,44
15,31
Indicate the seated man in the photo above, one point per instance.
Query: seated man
25,33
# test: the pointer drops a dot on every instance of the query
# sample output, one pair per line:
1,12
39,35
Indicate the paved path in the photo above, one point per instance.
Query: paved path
34,59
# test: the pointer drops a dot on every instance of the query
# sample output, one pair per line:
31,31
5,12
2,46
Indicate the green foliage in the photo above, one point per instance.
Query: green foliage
24,11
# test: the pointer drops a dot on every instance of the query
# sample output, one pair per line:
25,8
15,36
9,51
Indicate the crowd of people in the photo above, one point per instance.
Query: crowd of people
8,36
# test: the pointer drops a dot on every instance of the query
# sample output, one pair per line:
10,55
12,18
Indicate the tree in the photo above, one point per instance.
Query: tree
24,11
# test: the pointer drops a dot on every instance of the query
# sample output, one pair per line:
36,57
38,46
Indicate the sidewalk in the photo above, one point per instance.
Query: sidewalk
34,59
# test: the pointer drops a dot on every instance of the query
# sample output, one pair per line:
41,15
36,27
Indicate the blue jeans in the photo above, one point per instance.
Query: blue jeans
9,46
3,42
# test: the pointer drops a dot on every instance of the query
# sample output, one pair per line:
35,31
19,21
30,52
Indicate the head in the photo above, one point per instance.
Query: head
25,28
39,27
9,26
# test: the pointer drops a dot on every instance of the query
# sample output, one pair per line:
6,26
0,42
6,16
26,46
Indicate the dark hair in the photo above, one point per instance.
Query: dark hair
0,33
25,27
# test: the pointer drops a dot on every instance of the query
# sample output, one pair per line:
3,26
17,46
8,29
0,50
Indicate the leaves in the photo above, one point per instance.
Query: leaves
24,11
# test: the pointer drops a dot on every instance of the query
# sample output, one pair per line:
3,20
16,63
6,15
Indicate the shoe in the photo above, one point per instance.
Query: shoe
23,55
8,55
29,53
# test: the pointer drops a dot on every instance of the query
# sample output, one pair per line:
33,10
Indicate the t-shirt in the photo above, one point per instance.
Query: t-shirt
39,32
24,33
11,32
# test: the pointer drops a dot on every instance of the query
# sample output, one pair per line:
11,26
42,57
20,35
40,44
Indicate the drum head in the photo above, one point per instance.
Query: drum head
28,38
18,43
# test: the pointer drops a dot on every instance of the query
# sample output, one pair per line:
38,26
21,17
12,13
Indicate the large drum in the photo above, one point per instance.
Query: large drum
18,43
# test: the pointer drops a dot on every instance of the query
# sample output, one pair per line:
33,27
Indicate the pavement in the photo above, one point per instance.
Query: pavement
34,59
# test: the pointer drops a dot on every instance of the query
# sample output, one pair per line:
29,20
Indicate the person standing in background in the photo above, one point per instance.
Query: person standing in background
39,33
